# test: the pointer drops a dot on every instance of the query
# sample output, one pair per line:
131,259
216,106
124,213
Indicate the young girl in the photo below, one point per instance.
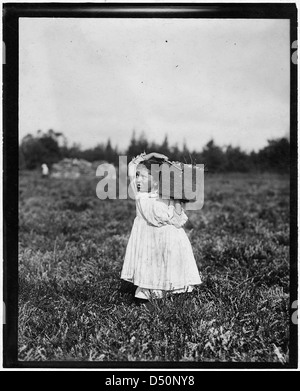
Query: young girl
159,257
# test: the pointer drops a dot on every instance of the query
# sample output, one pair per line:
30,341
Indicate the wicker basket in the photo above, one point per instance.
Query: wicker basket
180,183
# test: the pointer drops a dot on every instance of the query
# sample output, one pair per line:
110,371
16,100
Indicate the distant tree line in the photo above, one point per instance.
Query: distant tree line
51,147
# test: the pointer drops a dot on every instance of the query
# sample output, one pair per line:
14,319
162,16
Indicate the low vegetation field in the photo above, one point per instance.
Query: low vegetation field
73,305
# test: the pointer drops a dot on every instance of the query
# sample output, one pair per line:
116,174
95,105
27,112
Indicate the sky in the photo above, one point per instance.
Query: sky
189,79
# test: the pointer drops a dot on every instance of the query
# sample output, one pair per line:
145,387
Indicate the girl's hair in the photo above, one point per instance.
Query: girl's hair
152,165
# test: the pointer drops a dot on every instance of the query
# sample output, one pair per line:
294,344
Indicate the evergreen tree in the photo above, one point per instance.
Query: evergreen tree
213,157
43,148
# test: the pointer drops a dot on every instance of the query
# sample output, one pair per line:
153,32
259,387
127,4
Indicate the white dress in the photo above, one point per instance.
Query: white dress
159,255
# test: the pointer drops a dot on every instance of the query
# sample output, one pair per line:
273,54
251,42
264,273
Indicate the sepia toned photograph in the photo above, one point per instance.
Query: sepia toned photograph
154,190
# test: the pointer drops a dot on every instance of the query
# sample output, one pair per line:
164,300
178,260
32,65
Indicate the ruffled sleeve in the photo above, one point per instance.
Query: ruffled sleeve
132,171
158,213
178,219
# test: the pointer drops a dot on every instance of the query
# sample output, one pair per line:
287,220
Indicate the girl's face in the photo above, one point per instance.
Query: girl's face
144,180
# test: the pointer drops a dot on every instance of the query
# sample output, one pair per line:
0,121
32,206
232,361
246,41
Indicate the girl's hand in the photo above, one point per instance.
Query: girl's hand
178,206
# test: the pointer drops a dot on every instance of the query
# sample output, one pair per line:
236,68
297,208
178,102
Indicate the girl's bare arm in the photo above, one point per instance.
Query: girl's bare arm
156,155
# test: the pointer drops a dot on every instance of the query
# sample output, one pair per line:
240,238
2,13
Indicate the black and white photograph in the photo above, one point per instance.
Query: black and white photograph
155,151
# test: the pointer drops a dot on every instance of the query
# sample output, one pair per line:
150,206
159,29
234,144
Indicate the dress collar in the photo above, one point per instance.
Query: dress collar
152,194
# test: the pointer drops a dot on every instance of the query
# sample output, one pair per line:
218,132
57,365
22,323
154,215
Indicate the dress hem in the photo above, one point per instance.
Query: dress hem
146,286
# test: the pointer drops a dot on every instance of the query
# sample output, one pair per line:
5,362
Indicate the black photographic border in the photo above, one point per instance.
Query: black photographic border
11,14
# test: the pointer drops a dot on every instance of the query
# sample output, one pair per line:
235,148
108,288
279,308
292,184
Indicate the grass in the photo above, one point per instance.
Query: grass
73,305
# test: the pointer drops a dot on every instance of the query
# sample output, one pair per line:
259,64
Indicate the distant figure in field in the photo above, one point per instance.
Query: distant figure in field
45,171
